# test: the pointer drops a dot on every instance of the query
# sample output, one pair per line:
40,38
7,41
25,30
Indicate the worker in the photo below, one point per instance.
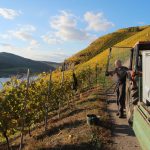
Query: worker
121,73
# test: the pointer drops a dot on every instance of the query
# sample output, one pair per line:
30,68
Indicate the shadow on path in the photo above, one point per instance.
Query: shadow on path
123,129
122,134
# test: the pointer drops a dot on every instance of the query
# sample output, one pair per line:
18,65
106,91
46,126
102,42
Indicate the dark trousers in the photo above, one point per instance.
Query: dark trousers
121,97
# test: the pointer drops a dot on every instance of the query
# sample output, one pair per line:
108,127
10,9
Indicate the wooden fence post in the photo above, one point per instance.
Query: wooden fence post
25,103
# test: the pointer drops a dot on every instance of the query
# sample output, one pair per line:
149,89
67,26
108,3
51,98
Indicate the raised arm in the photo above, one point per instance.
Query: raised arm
110,72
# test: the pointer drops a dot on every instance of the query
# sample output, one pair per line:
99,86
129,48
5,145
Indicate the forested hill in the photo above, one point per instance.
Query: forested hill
11,64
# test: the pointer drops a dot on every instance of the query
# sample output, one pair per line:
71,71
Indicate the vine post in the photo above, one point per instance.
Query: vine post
24,114
96,73
47,99
62,83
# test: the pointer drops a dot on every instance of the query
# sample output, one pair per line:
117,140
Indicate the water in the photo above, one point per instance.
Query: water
3,80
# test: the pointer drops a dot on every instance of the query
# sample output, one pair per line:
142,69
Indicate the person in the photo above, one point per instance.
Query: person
121,73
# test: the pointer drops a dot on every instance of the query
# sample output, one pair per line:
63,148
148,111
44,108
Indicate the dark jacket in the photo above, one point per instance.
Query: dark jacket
121,73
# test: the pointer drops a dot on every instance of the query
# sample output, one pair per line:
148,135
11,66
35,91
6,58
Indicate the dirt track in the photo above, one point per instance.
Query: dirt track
123,135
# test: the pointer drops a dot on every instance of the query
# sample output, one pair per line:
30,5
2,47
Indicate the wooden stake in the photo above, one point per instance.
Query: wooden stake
47,99
25,103
62,82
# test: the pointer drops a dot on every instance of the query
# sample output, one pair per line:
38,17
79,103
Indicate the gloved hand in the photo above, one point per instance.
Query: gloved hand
106,73
133,74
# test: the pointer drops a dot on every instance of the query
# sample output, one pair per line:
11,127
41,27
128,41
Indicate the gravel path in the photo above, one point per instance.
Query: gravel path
123,136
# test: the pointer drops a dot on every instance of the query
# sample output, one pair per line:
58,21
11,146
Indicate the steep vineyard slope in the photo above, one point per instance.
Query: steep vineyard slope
103,43
101,58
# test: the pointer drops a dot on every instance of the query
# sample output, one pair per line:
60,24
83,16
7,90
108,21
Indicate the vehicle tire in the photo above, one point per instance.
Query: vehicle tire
131,100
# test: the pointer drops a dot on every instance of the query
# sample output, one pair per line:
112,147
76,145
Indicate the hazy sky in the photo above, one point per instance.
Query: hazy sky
53,30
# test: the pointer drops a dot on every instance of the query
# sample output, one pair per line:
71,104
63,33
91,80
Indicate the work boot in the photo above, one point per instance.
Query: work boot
117,114
121,115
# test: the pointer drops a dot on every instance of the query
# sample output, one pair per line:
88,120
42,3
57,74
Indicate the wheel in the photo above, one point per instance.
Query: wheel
131,100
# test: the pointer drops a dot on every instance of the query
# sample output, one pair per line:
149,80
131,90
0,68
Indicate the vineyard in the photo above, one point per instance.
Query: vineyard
30,102
105,42
26,104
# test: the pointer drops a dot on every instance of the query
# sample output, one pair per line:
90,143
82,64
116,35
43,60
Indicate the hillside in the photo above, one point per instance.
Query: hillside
101,58
11,64
67,127
103,43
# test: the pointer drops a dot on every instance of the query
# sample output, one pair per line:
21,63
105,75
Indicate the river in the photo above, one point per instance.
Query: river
3,80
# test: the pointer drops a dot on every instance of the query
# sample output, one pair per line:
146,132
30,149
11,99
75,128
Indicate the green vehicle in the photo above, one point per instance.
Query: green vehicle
138,93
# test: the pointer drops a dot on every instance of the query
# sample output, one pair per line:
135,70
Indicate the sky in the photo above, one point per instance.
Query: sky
53,30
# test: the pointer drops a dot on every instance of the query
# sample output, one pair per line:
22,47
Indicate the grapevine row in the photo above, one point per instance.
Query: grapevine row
24,104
